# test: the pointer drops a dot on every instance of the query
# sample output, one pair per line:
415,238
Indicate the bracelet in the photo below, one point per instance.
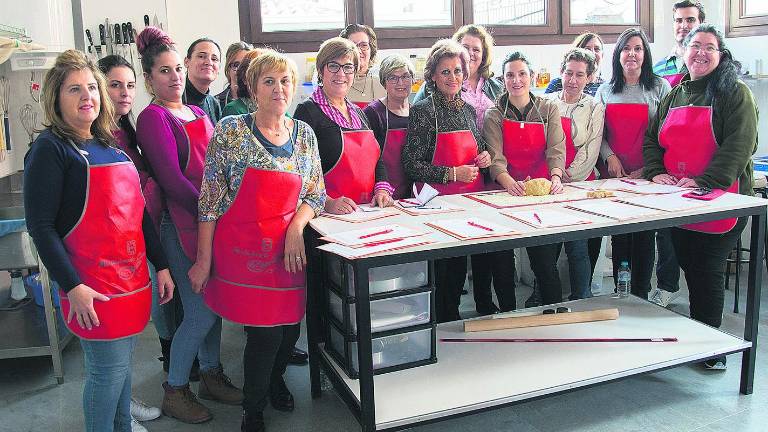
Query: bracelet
454,173
383,185
558,176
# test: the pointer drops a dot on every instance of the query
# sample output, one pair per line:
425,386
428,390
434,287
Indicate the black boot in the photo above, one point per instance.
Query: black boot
165,350
279,395
252,422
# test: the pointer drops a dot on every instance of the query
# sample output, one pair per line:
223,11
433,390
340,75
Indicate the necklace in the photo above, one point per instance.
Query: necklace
276,132
365,81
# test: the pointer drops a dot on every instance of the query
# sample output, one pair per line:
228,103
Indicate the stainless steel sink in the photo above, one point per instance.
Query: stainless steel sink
17,251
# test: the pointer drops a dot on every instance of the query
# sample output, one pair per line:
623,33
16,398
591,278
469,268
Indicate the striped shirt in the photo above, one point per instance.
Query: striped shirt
334,114
667,66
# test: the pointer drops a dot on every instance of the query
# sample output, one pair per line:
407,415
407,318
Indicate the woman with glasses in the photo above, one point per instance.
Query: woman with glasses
388,117
353,169
704,136
631,99
445,149
366,87
590,42
234,56
244,104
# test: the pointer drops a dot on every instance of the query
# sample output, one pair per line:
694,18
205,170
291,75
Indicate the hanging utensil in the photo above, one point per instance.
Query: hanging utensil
156,22
28,117
146,20
110,42
91,49
5,97
118,48
102,40
34,87
127,43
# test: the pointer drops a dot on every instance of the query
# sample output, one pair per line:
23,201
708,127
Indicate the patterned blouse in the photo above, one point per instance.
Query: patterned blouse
234,148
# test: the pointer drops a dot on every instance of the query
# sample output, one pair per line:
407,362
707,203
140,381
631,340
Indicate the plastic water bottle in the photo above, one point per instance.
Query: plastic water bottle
624,282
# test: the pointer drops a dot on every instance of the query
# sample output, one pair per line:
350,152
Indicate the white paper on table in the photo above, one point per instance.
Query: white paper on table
669,202
426,194
547,218
436,206
364,213
471,228
359,252
613,209
640,186
365,236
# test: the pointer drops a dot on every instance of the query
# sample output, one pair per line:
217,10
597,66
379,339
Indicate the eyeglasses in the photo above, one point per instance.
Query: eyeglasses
709,49
394,79
334,67
364,46
234,65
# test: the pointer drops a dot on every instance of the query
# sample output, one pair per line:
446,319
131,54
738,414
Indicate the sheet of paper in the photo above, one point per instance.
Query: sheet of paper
638,186
471,228
435,206
364,213
365,237
426,194
502,199
669,202
397,244
547,218
613,209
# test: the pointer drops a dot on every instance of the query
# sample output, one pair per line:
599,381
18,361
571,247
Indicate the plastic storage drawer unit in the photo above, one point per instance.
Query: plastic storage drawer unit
380,279
386,314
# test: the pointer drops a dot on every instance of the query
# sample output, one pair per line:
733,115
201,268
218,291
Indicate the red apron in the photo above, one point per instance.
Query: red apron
361,105
570,147
625,126
249,284
107,250
199,133
690,144
455,149
393,150
354,175
674,79
525,147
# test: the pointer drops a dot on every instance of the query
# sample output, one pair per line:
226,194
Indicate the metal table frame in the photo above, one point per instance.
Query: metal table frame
365,409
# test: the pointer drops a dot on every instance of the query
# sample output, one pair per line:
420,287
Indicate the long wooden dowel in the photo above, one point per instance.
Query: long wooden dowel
541,320
565,340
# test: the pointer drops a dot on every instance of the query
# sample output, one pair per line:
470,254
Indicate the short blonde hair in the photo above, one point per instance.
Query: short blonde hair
391,64
442,49
270,60
332,49
67,62
486,40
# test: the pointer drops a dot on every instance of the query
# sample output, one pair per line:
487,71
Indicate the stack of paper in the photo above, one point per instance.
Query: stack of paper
374,248
669,203
638,186
435,206
547,218
366,241
364,213
613,209
471,228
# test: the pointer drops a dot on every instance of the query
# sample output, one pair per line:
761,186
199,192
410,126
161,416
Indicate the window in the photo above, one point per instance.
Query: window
746,18
301,25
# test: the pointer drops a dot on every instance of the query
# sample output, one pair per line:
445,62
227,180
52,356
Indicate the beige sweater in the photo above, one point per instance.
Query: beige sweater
588,117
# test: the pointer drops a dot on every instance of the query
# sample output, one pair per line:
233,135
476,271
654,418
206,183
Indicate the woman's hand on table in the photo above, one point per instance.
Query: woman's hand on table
165,286
294,257
615,168
557,185
198,275
513,187
382,198
483,160
686,182
466,173
81,299
665,179
636,174
341,205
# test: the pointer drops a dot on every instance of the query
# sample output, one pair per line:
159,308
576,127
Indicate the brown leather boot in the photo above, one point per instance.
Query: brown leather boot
182,404
214,385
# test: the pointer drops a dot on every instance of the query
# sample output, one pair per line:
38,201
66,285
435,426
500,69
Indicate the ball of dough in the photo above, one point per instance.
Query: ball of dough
538,187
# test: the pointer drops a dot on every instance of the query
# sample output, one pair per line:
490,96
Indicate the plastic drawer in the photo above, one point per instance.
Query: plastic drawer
386,314
388,352
380,279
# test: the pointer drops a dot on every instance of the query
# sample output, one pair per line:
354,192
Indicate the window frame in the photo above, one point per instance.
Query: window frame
739,25
557,30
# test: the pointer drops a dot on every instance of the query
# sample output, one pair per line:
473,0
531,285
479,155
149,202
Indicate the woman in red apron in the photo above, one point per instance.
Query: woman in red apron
631,99
704,136
174,137
85,212
446,150
263,183
365,87
352,164
582,118
525,138
388,118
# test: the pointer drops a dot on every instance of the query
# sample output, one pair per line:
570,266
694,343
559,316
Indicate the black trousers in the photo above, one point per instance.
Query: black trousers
544,265
498,267
265,358
450,274
639,251
593,247
702,258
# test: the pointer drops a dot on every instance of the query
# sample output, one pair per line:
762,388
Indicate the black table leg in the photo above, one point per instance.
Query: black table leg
752,315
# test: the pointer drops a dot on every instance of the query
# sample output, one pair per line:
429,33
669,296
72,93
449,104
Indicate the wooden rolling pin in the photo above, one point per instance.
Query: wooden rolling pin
541,320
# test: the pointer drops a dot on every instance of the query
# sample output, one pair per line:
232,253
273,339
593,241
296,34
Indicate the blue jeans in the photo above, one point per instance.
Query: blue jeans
579,269
200,330
107,391
163,316
667,267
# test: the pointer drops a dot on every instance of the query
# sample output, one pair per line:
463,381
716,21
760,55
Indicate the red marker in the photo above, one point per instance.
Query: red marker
382,242
386,231
629,182
476,225
538,219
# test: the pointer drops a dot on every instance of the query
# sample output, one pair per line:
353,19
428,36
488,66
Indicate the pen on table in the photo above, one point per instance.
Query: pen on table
538,219
628,182
386,231
477,225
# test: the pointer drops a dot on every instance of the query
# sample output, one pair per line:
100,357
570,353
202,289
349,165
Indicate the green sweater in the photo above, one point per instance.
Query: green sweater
734,123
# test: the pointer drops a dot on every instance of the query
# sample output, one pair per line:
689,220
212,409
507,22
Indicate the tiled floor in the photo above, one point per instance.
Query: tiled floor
680,399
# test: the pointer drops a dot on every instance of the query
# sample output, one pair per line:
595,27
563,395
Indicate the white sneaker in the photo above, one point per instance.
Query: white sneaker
143,412
136,426
661,297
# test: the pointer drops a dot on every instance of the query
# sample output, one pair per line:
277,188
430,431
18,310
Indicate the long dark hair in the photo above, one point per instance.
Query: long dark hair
724,78
125,122
647,77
